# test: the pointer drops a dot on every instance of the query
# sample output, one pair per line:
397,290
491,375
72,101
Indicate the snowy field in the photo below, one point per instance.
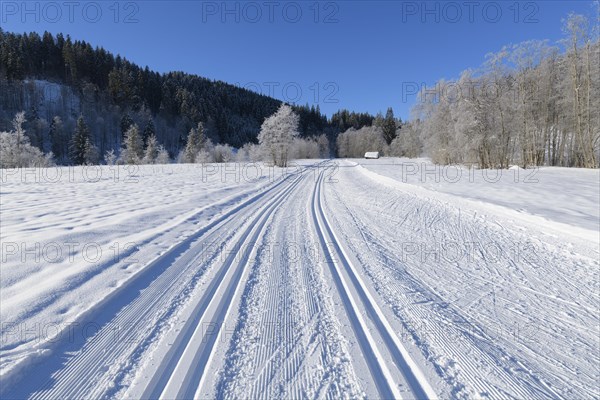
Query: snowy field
566,195
338,279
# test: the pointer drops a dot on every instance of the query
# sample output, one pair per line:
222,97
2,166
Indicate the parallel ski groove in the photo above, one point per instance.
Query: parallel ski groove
181,376
82,373
380,372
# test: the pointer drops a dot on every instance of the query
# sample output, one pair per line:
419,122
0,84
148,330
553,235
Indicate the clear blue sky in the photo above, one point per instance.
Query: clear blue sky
360,55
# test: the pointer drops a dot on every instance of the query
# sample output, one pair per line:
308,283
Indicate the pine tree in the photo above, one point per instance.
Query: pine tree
80,141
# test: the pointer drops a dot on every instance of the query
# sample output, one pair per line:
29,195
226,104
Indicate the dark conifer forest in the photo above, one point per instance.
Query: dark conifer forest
55,76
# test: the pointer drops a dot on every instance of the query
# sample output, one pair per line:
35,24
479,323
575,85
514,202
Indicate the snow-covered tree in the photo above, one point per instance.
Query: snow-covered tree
323,143
163,156
276,134
196,142
529,105
223,153
151,152
110,158
355,143
204,156
18,129
250,152
92,155
133,147
304,148
9,153
16,150
407,142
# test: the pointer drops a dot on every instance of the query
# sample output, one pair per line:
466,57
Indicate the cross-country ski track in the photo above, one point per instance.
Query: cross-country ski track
310,286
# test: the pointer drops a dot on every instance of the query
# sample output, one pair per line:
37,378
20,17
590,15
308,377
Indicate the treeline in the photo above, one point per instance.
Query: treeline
279,140
103,81
384,134
531,104
54,76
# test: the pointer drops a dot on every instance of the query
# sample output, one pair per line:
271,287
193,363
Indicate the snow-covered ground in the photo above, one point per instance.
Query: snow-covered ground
353,278
566,195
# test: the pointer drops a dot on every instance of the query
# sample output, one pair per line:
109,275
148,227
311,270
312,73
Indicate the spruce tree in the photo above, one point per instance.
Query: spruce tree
55,134
191,147
149,131
163,156
389,126
151,152
196,142
126,123
202,139
92,155
378,121
78,147
133,149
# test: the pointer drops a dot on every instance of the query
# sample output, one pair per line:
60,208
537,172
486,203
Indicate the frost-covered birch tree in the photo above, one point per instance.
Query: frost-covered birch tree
277,133
530,104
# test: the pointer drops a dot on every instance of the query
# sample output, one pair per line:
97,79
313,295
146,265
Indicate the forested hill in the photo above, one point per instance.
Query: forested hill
48,76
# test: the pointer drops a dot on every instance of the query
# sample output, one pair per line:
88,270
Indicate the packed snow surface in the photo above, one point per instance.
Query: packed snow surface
335,279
